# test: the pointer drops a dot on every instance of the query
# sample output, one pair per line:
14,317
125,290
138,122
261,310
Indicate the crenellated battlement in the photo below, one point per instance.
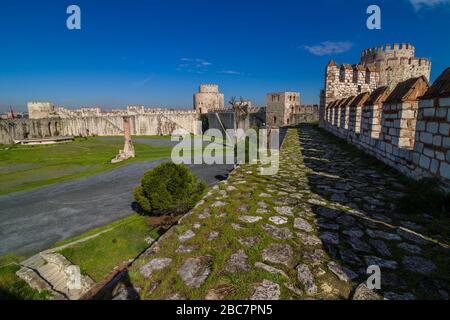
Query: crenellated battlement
396,50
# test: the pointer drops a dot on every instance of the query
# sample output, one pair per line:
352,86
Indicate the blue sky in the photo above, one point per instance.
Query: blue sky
156,53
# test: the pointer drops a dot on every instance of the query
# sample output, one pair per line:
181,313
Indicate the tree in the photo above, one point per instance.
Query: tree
168,188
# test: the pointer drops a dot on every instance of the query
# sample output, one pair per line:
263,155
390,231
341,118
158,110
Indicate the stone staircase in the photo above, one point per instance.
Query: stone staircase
52,272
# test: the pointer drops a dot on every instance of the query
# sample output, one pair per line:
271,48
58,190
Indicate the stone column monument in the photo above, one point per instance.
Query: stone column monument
128,149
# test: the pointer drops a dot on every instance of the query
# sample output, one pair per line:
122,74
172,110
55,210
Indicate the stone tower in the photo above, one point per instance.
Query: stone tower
208,98
280,106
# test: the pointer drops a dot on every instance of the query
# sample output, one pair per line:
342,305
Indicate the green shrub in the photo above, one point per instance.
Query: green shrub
168,188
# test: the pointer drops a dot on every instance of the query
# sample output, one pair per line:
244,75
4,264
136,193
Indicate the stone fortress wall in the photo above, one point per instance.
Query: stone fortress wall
381,66
46,121
403,121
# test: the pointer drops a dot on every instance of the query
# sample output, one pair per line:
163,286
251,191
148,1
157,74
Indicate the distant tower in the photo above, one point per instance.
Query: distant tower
208,98
280,108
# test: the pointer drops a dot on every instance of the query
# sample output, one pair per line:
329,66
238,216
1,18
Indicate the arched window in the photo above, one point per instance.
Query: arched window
274,119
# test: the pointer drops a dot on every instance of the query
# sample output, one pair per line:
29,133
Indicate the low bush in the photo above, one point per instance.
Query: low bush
168,188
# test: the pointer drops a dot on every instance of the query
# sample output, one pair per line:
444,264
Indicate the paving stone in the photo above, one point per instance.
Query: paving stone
397,296
309,240
262,204
212,235
411,248
265,195
186,235
303,225
314,257
392,280
154,265
327,212
236,226
354,233
412,237
194,271
279,254
270,269
267,290
383,235
328,225
419,265
381,247
285,211
346,220
197,225
205,214
343,273
349,257
218,204
250,219
219,293
306,278
329,237
176,296
358,244
382,263
277,233
237,262
278,220
262,211
362,292
435,289
294,289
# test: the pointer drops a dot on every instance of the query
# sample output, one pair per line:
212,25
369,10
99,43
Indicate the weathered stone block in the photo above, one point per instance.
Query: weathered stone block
440,155
434,166
445,170
444,128
418,147
446,142
426,103
428,152
437,141
424,162
416,158
420,125
444,102
428,112
432,127
441,112
426,137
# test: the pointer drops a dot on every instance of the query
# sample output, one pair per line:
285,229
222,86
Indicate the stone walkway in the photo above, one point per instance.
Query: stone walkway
309,232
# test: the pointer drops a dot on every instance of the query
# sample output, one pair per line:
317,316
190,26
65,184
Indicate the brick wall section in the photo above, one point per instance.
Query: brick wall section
408,127
431,154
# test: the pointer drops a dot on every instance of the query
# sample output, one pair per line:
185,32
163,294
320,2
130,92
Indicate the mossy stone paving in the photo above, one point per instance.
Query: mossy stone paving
308,232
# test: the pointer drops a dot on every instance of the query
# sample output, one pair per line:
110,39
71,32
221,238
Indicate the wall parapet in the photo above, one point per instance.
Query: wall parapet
407,128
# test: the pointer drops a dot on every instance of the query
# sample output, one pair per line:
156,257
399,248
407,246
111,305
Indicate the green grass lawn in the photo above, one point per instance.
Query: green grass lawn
11,286
27,167
99,256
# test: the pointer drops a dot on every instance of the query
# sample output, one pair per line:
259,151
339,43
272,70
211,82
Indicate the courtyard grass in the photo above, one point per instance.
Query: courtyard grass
11,286
27,167
99,256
